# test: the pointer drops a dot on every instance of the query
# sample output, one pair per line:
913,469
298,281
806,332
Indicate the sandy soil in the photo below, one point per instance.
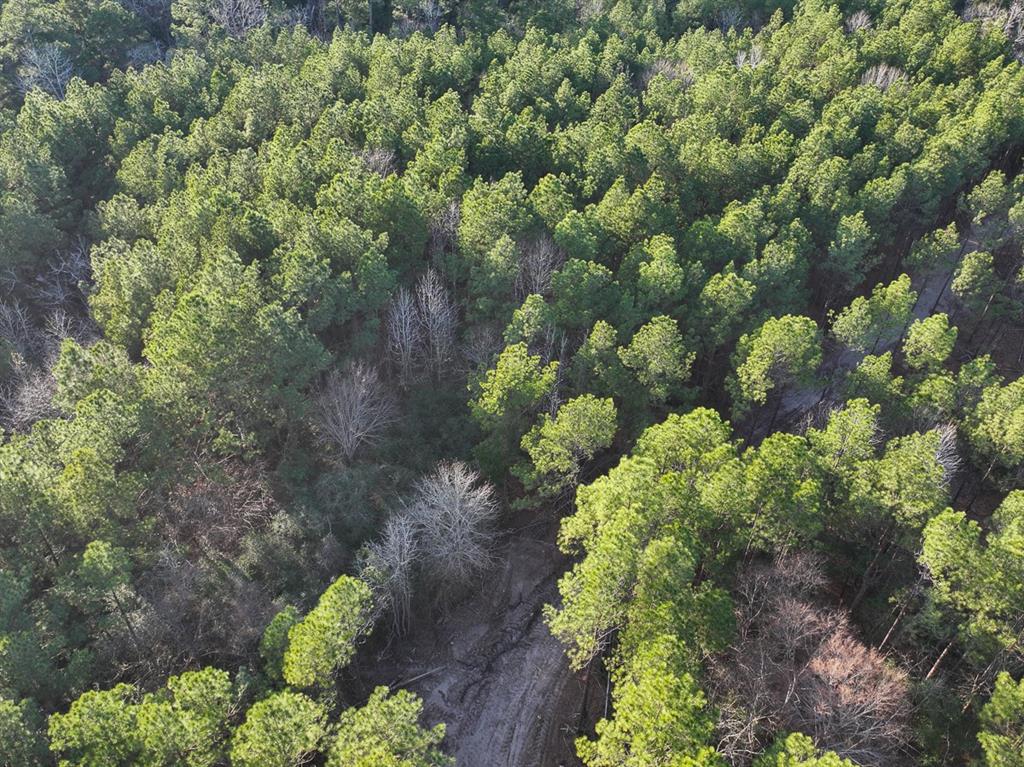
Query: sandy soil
492,672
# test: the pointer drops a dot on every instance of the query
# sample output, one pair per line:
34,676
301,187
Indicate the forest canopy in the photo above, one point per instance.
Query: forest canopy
311,311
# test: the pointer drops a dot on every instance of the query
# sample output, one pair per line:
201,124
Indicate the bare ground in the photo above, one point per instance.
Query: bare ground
490,669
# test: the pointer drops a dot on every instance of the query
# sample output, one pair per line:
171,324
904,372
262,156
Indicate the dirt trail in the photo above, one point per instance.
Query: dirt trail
490,669
933,296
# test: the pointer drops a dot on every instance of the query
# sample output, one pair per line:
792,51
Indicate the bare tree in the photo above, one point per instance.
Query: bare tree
444,230
431,13
858,21
453,511
144,54
383,162
295,16
1010,19
405,332
196,610
354,409
17,329
212,512
1014,28
589,9
796,666
239,17
948,453
60,283
729,18
482,345
389,566
883,76
538,261
849,700
61,324
670,70
438,317
751,58
27,398
46,67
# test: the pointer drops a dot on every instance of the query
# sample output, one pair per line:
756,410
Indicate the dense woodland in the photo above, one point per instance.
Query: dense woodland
300,301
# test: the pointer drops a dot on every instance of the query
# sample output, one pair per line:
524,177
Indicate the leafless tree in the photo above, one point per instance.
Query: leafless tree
796,666
27,398
426,17
60,283
47,67
438,317
213,511
431,13
444,229
17,329
730,18
144,54
239,17
1014,28
405,332
354,408
453,511
589,9
849,700
948,453
1010,19
751,58
883,76
294,16
483,343
61,324
539,259
670,70
389,566
857,21
383,162
556,347
197,609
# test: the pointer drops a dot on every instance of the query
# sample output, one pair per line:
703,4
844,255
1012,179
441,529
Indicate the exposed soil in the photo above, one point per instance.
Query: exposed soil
490,669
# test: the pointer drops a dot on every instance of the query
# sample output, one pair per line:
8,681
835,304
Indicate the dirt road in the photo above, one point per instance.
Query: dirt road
492,672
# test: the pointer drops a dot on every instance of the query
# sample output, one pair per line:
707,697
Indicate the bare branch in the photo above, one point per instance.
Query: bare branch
796,666
405,332
27,399
482,345
239,17
948,453
60,283
858,21
453,511
45,67
383,162
438,317
538,261
155,12
17,330
354,409
883,76
444,230
389,565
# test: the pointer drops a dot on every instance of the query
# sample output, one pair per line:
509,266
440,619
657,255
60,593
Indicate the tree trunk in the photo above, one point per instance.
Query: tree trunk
127,621
866,579
938,661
